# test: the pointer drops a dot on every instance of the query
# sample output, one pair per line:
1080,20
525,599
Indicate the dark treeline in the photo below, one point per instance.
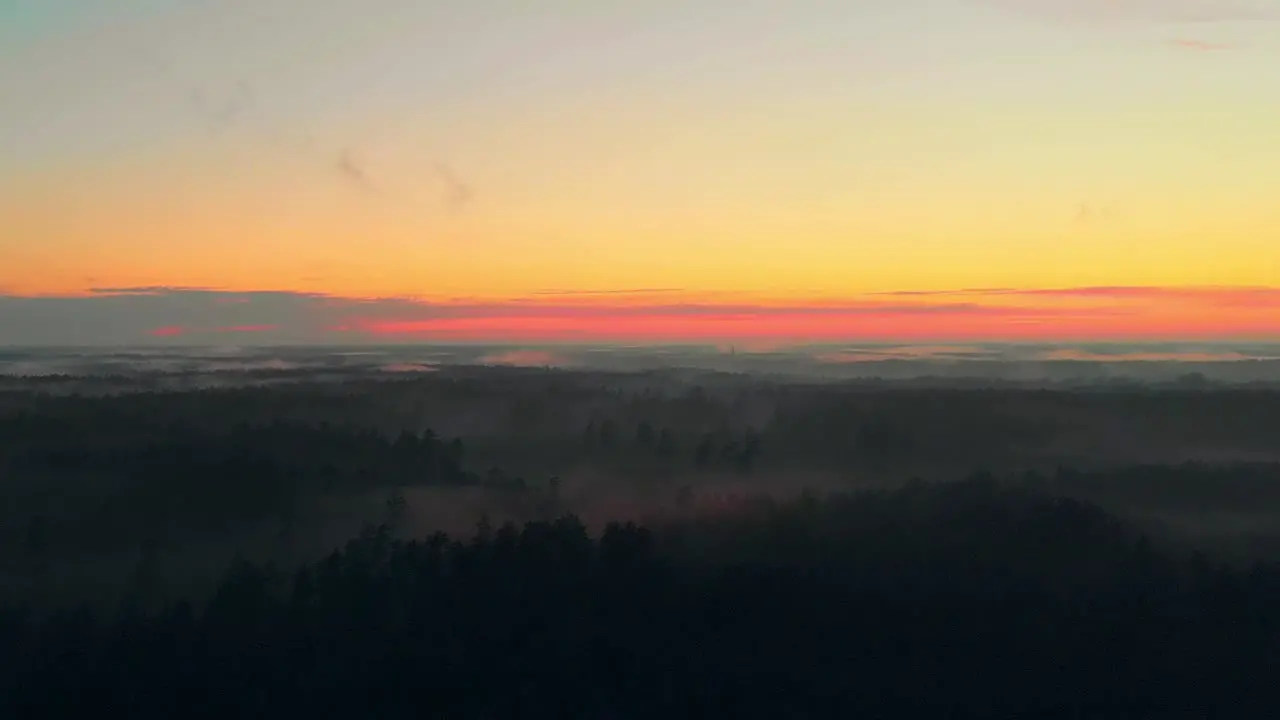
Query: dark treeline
132,484
719,589
967,600
537,422
122,483
548,412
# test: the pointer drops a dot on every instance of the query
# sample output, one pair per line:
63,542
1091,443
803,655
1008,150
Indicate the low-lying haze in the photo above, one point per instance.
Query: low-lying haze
998,363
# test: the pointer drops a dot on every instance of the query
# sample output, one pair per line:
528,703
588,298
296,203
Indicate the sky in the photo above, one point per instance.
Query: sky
638,170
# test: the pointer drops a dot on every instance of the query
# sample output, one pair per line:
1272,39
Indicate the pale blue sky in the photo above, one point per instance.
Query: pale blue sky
99,76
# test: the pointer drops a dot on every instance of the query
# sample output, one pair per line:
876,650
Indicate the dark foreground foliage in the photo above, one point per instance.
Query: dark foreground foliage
961,601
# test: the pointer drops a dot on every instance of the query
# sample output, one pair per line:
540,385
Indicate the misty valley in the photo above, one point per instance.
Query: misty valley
625,360
483,541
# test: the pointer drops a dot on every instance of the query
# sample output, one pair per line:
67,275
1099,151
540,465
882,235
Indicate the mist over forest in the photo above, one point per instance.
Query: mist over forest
635,360
1012,364
205,493
125,448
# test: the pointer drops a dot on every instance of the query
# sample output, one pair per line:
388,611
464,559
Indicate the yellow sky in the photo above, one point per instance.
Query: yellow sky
959,147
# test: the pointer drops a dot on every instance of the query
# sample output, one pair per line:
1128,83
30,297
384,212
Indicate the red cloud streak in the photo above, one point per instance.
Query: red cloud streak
802,326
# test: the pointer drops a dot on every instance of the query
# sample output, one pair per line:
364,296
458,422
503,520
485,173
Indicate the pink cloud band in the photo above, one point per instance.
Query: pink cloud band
920,316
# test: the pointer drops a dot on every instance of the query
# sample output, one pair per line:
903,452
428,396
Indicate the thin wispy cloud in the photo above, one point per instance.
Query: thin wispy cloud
150,290
624,291
239,110
352,170
217,109
1205,295
1200,45
219,114
236,111
1197,293
457,193
1088,213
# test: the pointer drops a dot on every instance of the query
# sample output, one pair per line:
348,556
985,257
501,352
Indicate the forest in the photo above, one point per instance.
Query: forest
534,542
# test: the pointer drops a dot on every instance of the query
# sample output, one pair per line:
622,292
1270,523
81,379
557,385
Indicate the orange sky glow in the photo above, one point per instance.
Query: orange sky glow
637,171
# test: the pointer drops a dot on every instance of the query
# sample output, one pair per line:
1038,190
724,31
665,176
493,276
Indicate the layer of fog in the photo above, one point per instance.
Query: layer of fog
1048,365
